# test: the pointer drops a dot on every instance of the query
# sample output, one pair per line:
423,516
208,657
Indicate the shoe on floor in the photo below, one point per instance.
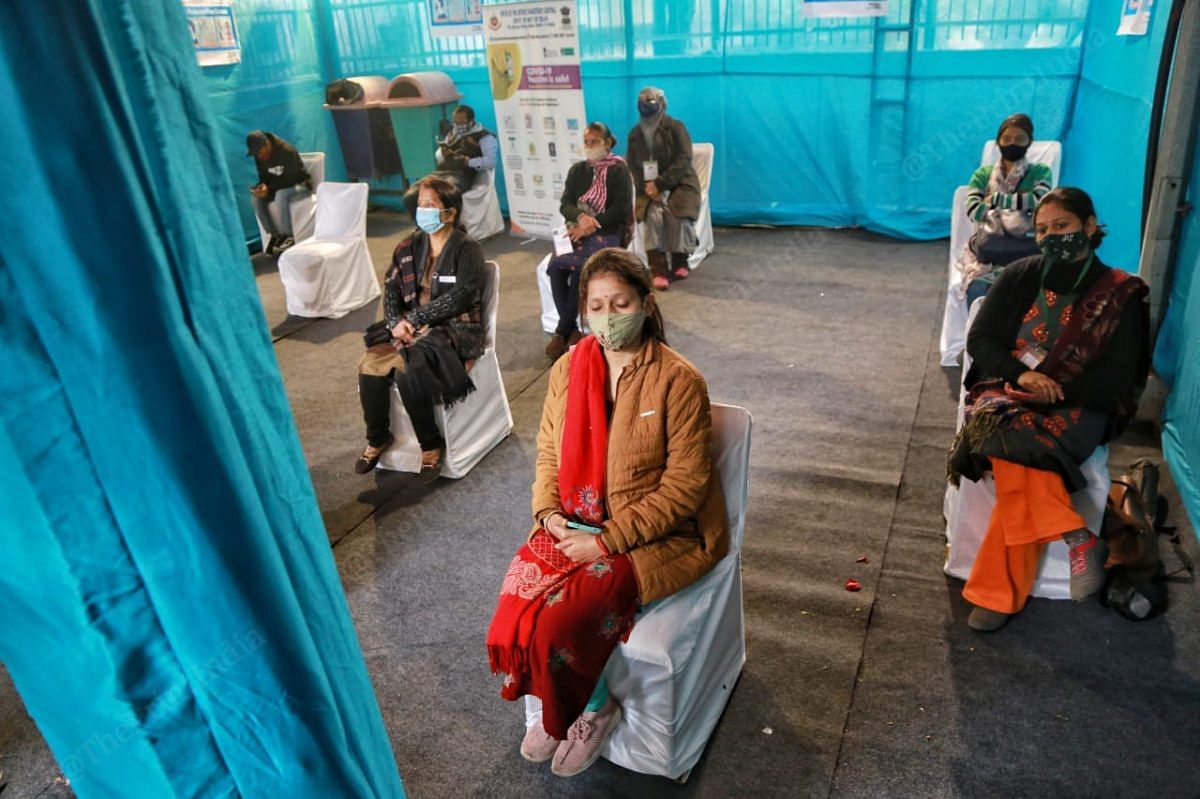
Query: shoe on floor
661,283
431,465
556,347
585,739
682,273
270,248
679,265
986,621
538,746
287,242
1087,557
370,457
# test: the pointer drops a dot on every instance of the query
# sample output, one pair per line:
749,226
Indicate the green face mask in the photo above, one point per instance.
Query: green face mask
616,331
1065,246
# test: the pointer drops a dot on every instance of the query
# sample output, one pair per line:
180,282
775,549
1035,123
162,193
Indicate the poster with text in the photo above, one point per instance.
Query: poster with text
845,8
1135,17
533,64
455,17
214,33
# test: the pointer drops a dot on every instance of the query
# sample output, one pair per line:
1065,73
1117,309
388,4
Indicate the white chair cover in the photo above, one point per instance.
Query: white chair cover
968,508
703,154
331,274
304,211
676,672
481,207
954,320
472,428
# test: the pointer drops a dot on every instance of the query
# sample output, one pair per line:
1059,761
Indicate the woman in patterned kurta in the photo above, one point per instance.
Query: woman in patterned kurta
1059,356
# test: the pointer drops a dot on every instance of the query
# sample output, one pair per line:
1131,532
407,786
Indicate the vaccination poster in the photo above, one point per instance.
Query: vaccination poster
1135,17
455,17
533,65
214,33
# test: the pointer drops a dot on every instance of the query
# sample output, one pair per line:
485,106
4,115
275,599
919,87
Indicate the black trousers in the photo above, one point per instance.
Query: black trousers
373,393
564,286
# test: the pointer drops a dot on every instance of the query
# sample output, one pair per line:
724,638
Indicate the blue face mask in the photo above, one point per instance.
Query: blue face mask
430,220
647,108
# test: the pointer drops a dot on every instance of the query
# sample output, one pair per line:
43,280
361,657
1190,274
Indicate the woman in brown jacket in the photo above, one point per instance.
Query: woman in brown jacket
627,507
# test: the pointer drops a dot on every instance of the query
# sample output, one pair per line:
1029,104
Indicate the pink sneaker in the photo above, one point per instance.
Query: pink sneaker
537,746
585,739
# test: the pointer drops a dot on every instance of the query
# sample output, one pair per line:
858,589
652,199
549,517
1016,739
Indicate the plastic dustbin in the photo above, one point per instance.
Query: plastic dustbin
418,102
364,129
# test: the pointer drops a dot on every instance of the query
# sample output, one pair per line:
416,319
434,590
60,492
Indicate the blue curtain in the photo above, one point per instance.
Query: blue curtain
172,615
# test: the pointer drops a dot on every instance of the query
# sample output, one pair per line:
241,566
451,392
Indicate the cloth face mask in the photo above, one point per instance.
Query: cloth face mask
594,153
615,331
1065,246
1013,152
647,108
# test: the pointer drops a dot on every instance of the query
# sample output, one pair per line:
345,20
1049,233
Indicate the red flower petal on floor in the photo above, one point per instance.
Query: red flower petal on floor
853,585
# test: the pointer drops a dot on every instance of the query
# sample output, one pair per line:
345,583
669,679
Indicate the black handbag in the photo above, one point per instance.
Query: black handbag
377,333
1003,237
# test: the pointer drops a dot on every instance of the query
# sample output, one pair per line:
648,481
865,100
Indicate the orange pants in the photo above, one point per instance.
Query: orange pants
1032,509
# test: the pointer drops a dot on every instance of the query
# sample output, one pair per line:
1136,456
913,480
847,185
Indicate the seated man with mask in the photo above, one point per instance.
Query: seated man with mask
467,150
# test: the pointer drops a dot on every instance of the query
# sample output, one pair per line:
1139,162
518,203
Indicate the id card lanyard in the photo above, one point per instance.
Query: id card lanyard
1052,322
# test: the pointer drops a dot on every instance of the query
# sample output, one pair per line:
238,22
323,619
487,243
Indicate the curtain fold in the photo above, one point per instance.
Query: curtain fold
172,617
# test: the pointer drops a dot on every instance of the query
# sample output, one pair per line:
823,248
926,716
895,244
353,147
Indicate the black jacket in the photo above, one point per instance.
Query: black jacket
1122,366
456,300
618,208
283,169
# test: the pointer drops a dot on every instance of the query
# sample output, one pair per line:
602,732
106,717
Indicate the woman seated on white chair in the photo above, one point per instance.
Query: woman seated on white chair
1000,203
627,510
1058,358
668,188
597,204
432,328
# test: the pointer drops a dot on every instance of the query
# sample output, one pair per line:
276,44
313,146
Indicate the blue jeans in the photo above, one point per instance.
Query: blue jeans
285,198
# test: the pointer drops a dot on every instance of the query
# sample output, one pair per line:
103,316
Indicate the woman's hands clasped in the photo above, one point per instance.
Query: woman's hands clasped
1045,389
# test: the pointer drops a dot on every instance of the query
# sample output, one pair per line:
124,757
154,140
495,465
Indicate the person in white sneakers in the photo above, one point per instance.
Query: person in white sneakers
627,510
1059,356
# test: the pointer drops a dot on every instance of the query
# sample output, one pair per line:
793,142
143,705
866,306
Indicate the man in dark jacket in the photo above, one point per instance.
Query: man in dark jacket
468,149
282,177
668,189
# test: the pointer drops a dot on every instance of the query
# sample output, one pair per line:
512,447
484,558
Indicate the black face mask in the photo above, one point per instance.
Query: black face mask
1013,152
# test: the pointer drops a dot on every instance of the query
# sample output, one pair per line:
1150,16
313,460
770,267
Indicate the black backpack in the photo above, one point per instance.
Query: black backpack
1134,516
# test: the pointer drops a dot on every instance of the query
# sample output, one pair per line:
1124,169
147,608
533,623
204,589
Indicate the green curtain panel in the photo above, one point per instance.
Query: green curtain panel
171,612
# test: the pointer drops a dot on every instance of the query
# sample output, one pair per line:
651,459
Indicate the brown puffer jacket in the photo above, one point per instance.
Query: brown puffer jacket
665,505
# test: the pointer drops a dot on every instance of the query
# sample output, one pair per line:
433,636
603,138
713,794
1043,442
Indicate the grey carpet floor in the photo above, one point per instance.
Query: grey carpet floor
829,338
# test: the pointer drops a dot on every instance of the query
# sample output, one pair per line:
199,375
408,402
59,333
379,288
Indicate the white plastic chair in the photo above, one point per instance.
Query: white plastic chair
954,319
331,274
674,675
702,161
304,210
481,207
473,427
968,508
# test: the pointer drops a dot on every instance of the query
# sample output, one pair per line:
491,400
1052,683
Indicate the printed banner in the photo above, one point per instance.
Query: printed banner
1135,17
214,33
845,8
455,17
533,64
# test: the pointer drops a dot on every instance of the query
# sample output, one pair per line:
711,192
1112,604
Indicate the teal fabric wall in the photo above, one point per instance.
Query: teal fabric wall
1105,149
1177,358
816,122
171,612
